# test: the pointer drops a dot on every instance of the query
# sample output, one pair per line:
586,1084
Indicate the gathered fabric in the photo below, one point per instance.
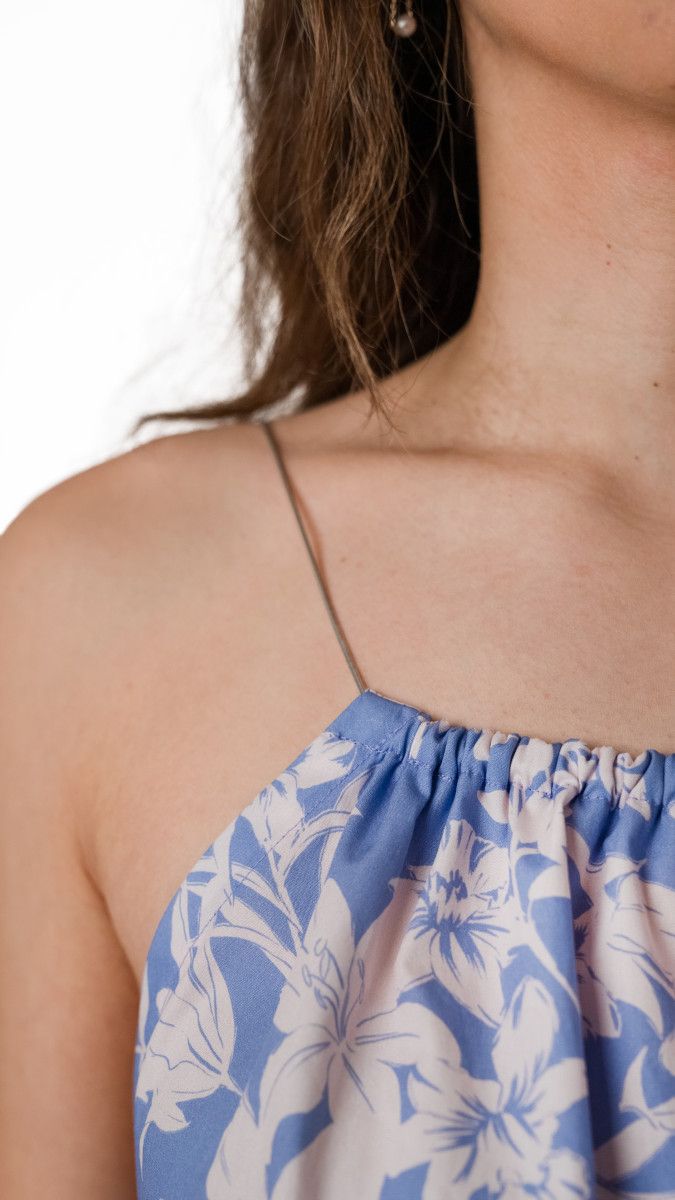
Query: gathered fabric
426,962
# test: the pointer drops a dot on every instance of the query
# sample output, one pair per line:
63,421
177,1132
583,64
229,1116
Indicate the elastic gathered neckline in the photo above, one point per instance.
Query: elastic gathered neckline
380,723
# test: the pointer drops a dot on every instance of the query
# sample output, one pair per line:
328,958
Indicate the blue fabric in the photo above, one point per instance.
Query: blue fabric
426,962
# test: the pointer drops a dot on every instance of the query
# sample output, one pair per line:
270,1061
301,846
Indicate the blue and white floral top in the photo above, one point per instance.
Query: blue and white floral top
426,962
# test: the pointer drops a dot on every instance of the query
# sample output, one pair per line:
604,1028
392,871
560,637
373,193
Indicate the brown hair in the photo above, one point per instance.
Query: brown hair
358,214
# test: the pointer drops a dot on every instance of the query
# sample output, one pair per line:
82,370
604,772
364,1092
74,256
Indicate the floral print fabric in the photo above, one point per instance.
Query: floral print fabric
425,963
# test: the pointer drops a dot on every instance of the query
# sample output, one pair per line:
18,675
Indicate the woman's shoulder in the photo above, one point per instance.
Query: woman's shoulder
123,492
99,533
152,557
143,498
95,566
108,569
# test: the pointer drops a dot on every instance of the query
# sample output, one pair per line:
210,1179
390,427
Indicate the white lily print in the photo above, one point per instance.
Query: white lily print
277,808
625,941
534,813
189,1053
344,1035
652,1128
466,921
495,1136
426,963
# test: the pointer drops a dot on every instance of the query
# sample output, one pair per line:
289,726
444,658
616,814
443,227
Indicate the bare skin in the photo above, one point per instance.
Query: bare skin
505,562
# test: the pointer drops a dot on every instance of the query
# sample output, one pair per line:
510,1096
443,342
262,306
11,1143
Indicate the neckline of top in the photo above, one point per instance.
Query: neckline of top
382,723
373,712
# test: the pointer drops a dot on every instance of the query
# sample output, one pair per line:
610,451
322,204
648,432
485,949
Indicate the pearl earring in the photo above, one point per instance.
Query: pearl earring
403,24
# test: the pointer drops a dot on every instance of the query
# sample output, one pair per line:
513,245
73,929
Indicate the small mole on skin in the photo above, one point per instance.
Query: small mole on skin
608,262
637,457
655,383
608,245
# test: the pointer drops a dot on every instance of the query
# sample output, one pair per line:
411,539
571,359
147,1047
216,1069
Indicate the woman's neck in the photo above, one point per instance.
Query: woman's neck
569,350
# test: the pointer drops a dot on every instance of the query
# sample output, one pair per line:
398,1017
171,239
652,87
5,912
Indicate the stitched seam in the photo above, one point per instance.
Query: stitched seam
466,754
383,748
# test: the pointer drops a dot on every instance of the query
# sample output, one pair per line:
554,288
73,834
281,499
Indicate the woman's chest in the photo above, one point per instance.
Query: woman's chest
538,637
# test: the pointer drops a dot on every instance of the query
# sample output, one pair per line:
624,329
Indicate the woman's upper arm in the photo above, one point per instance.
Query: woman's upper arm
68,995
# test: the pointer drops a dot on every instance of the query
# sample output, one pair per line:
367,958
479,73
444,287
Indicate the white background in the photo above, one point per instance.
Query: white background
119,155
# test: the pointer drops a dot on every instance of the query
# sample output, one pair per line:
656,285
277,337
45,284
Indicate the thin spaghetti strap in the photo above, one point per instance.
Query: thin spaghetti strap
271,437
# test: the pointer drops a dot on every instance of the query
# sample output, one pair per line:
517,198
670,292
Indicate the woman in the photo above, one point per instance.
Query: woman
338,750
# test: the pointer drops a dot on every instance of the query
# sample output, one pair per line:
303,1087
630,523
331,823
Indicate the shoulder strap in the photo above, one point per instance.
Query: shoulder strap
271,437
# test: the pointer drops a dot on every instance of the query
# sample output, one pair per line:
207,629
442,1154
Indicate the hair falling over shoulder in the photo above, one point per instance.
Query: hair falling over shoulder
358,210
